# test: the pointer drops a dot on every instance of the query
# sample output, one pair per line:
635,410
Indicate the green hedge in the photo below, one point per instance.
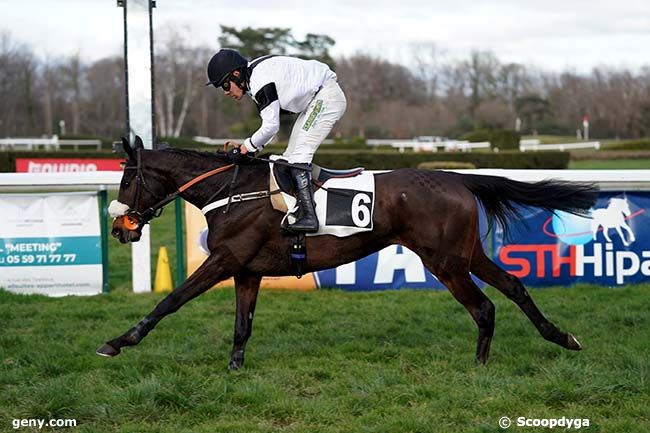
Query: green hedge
445,165
352,158
642,144
501,138
390,160
106,141
477,136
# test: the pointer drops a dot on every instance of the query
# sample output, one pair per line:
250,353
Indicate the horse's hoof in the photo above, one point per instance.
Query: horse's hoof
107,350
236,360
573,343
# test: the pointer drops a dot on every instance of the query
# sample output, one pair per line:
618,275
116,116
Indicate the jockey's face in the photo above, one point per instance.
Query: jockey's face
234,91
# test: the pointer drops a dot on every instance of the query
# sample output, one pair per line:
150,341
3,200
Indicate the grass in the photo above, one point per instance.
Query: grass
621,164
325,361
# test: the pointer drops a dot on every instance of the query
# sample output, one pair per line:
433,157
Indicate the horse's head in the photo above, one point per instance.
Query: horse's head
140,189
626,208
622,205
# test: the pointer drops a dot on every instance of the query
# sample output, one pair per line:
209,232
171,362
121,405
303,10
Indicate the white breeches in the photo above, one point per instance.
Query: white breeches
315,123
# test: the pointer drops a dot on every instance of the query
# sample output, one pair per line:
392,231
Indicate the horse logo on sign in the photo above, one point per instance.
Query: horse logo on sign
613,216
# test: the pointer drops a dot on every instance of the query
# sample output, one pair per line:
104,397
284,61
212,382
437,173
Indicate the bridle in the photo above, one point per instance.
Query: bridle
133,219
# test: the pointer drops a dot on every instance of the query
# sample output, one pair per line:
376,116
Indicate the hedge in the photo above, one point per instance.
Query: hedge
371,160
641,144
501,138
387,161
445,165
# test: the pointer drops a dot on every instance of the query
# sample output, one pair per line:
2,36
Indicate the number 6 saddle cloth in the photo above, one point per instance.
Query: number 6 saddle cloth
344,199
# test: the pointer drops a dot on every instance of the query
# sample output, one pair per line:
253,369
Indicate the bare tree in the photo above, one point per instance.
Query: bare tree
178,66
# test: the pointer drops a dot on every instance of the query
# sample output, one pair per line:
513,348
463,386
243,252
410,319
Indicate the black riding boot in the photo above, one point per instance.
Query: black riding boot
308,221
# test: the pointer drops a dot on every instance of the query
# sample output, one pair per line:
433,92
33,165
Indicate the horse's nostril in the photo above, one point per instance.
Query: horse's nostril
115,232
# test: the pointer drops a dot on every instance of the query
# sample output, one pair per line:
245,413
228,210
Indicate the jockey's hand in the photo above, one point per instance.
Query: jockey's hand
243,149
235,155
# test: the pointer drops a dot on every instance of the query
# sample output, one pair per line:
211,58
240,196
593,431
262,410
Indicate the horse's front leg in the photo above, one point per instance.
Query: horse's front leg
620,235
246,289
217,267
629,231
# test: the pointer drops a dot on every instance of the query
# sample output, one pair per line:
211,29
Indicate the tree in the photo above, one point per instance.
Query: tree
532,109
255,42
178,71
316,47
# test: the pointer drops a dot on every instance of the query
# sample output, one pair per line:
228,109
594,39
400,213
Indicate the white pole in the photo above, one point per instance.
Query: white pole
138,52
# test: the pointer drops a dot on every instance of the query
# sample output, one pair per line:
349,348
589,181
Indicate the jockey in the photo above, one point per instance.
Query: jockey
281,84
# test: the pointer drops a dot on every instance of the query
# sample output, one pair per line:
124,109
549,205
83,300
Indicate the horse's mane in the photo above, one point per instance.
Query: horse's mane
207,156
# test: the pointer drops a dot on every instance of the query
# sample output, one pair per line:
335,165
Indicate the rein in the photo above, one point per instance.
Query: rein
134,219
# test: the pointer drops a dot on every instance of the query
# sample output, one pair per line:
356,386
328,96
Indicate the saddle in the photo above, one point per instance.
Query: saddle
281,176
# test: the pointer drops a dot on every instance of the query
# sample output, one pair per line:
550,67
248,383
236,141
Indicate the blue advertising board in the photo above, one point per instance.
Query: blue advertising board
609,247
394,267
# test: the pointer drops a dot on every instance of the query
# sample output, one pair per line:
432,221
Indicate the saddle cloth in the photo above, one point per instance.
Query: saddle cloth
344,205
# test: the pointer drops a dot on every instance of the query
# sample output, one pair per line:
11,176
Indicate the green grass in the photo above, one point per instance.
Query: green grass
326,361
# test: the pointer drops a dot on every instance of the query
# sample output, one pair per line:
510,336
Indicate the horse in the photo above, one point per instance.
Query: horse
613,217
433,213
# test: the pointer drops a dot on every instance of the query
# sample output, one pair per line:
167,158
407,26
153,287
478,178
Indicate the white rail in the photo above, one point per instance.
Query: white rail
31,143
61,180
525,145
606,179
430,146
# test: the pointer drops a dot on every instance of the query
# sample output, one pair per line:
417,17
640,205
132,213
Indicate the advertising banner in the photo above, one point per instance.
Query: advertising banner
51,244
57,165
611,247
394,267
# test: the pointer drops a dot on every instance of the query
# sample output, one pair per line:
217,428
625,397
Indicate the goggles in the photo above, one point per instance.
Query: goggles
226,84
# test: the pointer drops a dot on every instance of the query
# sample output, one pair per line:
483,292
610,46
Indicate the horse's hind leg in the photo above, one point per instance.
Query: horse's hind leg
454,274
511,286
246,289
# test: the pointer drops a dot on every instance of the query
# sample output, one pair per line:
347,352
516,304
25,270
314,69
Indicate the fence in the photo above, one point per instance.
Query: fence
429,146
53,142
608,180
534,145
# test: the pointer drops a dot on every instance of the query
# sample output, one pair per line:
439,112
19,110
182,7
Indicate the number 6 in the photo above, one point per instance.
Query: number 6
360,210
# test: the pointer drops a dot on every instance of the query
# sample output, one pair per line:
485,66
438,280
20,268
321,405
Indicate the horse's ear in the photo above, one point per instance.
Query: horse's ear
127,147
138,143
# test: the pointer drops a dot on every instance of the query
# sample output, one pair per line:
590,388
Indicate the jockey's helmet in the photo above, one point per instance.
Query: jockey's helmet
223,64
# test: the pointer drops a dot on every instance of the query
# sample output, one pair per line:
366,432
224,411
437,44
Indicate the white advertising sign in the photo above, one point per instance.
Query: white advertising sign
50,244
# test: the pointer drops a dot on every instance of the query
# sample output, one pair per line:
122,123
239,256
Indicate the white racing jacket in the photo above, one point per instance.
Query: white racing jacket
280,83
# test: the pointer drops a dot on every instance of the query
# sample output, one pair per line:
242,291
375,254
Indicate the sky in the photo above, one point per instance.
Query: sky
553,35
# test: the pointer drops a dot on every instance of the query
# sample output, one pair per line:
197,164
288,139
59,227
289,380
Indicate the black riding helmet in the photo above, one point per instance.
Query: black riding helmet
223,64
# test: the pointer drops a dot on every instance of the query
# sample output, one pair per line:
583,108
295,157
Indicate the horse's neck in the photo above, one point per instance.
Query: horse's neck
178,175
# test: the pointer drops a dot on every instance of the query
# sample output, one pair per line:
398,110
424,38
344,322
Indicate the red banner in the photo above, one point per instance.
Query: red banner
57,165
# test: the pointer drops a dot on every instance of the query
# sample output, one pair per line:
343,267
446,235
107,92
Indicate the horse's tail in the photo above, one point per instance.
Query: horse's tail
500,196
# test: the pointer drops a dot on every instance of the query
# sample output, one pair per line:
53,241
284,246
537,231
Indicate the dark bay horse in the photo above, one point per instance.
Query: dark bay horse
433,213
